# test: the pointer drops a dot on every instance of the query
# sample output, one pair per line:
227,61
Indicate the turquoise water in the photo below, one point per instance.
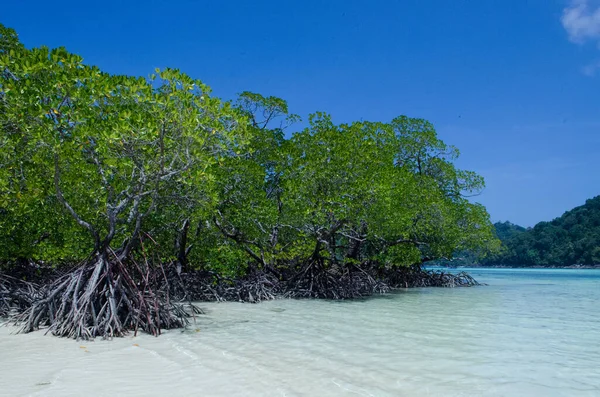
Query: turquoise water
528,333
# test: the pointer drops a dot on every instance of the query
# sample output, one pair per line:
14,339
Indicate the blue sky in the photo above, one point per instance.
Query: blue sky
514,84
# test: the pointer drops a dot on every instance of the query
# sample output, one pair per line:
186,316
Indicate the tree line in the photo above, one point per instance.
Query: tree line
571,239
121,174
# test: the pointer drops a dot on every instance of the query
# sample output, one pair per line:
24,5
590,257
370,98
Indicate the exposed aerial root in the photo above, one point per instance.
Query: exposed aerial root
102,299
310,281
347,282
416,276
107,298
209,286
16,295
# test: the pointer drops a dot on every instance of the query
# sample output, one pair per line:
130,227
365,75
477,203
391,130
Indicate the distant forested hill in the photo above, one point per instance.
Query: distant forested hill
572,239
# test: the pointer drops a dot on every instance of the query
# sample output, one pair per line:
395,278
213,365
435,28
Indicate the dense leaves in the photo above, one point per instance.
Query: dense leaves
572,239
105,153
157,170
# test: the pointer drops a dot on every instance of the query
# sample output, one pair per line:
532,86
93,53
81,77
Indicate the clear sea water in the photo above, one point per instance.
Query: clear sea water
528,333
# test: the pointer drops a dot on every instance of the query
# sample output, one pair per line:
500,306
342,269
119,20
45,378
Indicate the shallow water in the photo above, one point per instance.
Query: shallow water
528,333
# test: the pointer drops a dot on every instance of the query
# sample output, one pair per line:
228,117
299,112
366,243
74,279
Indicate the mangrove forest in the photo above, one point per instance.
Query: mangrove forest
123,199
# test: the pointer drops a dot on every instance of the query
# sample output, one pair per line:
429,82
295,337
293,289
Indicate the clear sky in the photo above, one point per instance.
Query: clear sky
514,84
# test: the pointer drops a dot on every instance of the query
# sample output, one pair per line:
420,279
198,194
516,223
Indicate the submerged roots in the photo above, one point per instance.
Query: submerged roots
106,298
312,281
316,281
415,277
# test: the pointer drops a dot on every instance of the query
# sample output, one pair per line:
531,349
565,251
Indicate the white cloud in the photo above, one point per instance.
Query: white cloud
581,20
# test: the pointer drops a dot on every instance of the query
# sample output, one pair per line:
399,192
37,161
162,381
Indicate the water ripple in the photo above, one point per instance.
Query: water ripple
529,333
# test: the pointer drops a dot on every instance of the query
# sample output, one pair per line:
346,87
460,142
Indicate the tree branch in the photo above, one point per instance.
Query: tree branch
73,213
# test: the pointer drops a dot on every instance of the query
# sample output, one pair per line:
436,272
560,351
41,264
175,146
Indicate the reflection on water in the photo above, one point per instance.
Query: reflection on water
528,333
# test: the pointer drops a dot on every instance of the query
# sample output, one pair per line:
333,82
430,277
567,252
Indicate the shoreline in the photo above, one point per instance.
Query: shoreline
159,300
572,267
452,342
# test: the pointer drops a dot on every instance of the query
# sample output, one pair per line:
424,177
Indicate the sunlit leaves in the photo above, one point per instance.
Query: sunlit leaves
134,158
115,138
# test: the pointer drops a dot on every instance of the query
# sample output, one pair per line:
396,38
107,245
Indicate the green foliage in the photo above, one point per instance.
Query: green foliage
109,151
159,168
351,194
573,238
9,40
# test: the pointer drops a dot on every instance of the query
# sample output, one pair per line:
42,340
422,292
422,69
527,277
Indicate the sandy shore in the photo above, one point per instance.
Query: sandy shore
528,333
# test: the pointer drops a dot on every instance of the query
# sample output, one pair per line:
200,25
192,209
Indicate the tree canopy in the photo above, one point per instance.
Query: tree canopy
92,161
572,239
112,171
